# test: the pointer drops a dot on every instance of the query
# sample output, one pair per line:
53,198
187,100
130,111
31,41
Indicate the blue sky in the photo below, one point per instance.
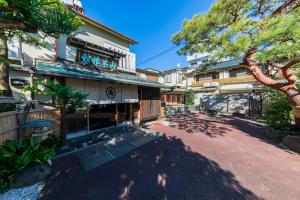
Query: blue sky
150,22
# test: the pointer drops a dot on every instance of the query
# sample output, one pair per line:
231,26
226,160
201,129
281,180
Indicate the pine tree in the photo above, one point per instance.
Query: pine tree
264,33
23,19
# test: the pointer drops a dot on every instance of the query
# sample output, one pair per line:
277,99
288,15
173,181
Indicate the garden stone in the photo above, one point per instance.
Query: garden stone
30,176
274,134
292,142
268,133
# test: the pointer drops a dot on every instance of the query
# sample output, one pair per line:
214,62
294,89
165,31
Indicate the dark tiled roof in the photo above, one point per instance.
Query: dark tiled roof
67,69
217,66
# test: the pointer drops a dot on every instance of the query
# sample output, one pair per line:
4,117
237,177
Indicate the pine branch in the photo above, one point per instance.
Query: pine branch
283,8
17,25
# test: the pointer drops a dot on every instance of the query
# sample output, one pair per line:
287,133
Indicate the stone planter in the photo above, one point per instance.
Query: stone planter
274,134
292,142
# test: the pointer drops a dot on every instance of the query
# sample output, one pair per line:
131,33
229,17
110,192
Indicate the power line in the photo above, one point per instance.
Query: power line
158,55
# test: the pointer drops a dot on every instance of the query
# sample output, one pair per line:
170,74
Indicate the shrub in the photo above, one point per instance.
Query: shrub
15,156
65,98
190,98
278,113
7,107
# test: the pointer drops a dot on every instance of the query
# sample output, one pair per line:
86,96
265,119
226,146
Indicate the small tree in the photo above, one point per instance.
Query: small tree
190,98
278,111
64,97
21,19
265,34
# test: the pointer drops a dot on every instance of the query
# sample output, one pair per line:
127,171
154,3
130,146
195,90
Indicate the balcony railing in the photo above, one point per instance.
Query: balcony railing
224,81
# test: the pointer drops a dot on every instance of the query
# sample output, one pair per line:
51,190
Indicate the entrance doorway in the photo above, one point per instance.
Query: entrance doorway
101,116
98,116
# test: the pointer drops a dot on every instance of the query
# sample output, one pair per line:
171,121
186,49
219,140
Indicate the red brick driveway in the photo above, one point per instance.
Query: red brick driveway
199,158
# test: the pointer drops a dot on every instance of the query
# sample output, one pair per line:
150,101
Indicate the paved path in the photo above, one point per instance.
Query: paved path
198,158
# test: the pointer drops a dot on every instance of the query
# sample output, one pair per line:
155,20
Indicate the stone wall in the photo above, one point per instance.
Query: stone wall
226,103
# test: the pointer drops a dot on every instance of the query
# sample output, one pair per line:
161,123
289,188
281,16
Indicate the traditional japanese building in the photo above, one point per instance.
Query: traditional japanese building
149,73
96,60
175,79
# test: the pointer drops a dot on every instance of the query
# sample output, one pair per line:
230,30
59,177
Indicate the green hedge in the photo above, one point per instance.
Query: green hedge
7,107
190,98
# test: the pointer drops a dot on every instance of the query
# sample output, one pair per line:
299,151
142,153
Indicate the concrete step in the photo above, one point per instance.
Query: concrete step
97,155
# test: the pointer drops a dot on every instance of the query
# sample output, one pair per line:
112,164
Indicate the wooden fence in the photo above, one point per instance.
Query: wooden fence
9,126
150,109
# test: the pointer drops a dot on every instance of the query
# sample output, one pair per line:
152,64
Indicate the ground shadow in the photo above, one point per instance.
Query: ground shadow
254,129
214,126
162,169
191,123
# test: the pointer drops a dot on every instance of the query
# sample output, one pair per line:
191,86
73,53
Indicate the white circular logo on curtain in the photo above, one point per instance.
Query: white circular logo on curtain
111,92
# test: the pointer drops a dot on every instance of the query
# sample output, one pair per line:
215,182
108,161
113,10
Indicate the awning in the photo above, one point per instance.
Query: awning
59,69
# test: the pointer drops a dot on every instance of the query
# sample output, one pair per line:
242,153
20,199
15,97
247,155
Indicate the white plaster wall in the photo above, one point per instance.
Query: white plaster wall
65,51
128,63
190,80
129,94
222,74
92,88
143,75
18,93
61,47
99,37
161,79
238,86
226,74
41,98
47,53
97,91
173,78
174,81
14,50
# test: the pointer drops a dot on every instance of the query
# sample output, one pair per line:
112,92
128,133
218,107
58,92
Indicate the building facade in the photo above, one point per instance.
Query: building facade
176,80
149,73
95,60
225,86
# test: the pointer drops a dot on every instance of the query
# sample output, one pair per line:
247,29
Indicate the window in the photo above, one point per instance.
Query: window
174,98
143,75
169,100
163,98
180,77
203,77
167,78
179,99
239,72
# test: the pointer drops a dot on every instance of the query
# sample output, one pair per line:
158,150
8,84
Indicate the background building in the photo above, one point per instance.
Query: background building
225,86
150,74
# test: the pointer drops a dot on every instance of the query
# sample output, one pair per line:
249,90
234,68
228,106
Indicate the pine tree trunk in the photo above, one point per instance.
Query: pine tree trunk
287,87
4,69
